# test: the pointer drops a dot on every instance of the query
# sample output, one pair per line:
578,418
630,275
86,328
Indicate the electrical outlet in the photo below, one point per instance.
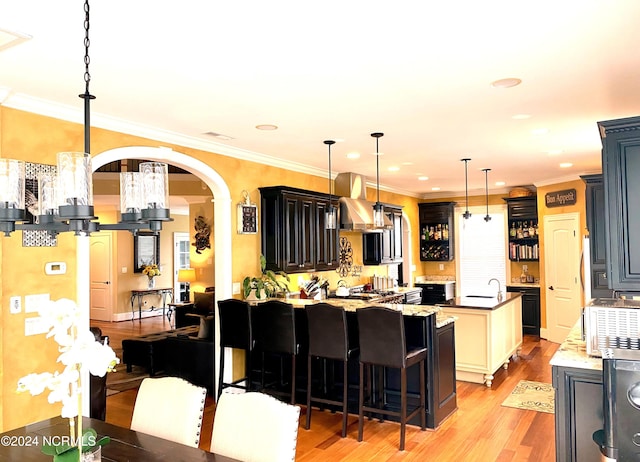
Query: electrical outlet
236,288
441,266
525,268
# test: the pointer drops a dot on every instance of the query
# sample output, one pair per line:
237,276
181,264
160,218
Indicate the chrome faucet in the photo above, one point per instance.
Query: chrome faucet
499,291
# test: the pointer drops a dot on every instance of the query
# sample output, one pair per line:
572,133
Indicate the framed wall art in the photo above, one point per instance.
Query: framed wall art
146,250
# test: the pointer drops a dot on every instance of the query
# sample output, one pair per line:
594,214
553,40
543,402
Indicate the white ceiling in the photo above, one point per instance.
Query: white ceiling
419,71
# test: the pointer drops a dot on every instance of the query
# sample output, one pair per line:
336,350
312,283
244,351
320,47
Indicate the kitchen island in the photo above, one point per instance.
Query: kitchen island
424,326
488,334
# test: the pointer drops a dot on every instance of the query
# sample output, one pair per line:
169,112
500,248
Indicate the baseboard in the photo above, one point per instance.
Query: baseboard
127,315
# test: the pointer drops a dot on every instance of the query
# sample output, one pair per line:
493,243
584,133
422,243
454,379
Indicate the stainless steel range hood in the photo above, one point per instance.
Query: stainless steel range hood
356,212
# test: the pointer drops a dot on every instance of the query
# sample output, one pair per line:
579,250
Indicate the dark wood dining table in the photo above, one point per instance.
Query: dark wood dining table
24,444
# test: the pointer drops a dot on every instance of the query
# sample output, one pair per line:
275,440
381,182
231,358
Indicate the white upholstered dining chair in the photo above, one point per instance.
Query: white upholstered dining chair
170,408
255,427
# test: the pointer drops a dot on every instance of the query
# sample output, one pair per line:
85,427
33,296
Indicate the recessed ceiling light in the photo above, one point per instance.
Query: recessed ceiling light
267,127
407,163
393,168
500,183
521,116
554,152
435,188
566,165
506,83
423,178
353,155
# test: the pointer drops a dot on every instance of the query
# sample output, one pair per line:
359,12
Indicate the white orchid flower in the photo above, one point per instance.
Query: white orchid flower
34,383
78,350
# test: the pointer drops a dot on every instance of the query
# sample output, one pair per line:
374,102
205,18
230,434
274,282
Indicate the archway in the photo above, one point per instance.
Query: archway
222,219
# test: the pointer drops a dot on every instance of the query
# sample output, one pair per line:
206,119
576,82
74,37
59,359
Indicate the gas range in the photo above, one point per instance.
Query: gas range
358,293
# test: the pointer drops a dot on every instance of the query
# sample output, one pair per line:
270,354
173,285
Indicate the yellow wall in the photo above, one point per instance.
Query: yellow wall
37,138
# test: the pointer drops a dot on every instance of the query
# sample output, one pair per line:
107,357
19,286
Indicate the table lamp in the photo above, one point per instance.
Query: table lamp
187,276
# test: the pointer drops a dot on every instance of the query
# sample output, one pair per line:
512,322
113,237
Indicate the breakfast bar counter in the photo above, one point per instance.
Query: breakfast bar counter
424,326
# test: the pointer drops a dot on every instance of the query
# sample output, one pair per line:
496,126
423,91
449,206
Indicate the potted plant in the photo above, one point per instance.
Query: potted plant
267,284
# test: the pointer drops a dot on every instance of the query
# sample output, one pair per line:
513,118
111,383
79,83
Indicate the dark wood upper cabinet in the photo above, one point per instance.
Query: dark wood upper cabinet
383,248
293,236
621,170
522,215
436,231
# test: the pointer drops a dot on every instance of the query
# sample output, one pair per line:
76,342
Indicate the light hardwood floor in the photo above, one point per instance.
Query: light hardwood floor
480,430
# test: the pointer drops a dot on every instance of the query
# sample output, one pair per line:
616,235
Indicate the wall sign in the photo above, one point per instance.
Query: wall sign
560,198
247,216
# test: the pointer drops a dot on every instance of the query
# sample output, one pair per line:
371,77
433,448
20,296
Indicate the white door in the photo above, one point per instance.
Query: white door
101,292
562,274
181,260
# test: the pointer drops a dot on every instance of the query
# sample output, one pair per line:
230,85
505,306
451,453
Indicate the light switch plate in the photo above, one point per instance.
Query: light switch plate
15,304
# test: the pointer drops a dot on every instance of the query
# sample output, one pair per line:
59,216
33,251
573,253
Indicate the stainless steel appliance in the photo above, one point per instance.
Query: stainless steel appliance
619,440
611,323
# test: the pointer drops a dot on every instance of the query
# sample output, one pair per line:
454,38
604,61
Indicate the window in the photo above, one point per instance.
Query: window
481,250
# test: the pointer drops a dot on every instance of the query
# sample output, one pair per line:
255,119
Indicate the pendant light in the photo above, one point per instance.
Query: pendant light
66,200
466,214
331,215
486,171
378,210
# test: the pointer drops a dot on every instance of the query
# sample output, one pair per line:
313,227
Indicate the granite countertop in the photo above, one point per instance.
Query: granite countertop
407,310
481,303
430,281
573,352
524,284
405,290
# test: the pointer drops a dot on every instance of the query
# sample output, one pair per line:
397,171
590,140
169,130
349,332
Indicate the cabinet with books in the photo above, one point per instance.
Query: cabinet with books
523,228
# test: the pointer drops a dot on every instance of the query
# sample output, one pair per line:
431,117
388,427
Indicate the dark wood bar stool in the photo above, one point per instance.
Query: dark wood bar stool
383,343
235,332
328,339
275,328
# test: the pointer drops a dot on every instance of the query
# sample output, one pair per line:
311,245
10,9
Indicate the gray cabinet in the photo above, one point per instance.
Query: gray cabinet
579,403
621,170
596,224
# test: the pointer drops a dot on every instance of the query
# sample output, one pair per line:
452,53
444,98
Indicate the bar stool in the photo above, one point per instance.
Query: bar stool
382,343
274,323
328,339
235,332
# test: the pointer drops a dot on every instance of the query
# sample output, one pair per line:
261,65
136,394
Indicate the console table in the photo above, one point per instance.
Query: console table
139,294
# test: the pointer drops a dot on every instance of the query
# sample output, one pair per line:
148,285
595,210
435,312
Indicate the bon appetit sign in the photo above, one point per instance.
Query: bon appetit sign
560,198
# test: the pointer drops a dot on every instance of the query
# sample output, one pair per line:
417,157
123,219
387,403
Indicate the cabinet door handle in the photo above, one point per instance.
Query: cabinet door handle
551,288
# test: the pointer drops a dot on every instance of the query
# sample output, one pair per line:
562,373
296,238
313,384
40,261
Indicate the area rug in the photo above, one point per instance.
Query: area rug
532,396
121,380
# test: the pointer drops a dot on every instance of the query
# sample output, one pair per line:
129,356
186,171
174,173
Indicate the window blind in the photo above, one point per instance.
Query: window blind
481,251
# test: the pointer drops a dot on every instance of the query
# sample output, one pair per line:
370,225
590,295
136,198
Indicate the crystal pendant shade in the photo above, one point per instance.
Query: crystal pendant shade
74,179
12,184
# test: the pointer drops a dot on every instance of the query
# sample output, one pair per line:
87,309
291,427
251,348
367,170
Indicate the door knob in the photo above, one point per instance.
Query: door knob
550,287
